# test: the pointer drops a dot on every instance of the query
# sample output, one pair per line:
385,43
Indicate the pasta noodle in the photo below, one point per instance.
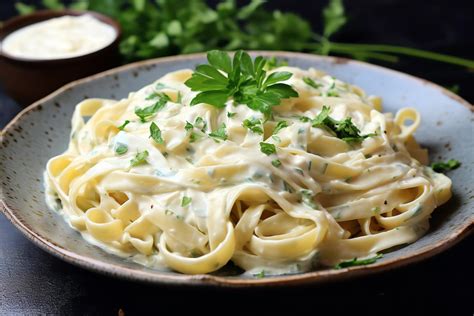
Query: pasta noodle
191,202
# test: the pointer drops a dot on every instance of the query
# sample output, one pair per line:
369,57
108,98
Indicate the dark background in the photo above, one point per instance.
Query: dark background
33,282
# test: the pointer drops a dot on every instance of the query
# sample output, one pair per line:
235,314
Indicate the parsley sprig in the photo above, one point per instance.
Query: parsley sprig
345,129
240,78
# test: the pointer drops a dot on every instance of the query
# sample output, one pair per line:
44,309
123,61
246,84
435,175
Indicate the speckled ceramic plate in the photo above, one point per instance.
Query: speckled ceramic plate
42,130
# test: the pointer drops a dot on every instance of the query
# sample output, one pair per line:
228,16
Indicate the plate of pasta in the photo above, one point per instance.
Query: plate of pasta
241,169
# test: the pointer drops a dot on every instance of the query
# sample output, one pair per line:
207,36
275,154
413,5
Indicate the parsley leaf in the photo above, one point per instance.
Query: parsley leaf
220,133
345,129
334,18
122,127
241,78
310,82
253,124
149,111
267,148
200,123
140,158
276,163
120,148
155,133
442,166
260,275
188,126
186,201
280,125
307,197
355,262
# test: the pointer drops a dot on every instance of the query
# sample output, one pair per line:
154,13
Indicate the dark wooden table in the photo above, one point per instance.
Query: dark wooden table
33,282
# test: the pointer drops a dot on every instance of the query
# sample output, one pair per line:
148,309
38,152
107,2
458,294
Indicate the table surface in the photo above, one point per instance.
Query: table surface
34,282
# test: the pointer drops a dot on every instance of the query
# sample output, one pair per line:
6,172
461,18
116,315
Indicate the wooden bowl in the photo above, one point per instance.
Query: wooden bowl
27,80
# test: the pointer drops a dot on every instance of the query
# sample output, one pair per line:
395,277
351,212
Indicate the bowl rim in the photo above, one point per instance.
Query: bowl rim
157,277
21,21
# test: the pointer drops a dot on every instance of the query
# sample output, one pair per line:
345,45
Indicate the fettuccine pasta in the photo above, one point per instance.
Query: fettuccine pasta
200,192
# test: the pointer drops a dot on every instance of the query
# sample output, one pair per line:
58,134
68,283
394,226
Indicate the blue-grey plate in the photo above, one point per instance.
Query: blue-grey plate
42,131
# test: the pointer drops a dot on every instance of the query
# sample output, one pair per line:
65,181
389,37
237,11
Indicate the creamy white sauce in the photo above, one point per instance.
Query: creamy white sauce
58,38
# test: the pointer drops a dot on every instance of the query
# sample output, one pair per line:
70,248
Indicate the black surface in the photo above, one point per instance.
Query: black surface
33,282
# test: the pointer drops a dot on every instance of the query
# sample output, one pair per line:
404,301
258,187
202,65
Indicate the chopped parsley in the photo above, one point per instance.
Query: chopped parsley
194,137
276,163
200,123
149,111
307,197
356,262
267,148
122,127
280,125
155,133
260,275
310,82
304,119
442,166
121,149
220,133
241,78
139,159
185,201
254,125
188,126
231,114
345,129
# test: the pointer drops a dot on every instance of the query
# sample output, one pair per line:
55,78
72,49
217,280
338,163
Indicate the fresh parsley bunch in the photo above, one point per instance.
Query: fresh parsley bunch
171,27
240,78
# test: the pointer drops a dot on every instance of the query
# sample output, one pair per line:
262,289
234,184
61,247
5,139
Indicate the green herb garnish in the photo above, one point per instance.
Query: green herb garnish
186,201
276,163
188,126
442,166
155,133
267,148
345,129
121,149
139,159
307,197
241,78
201,124
220,133
280,125
253,124
149,111
260,275
231,114
356,262
310,82
122,127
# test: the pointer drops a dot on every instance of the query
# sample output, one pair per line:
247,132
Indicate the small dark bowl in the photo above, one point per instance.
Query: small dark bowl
27,80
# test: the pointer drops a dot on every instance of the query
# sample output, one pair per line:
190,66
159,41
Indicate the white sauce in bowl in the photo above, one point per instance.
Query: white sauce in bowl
58,38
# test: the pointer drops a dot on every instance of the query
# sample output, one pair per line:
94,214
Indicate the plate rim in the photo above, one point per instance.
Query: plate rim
158,277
